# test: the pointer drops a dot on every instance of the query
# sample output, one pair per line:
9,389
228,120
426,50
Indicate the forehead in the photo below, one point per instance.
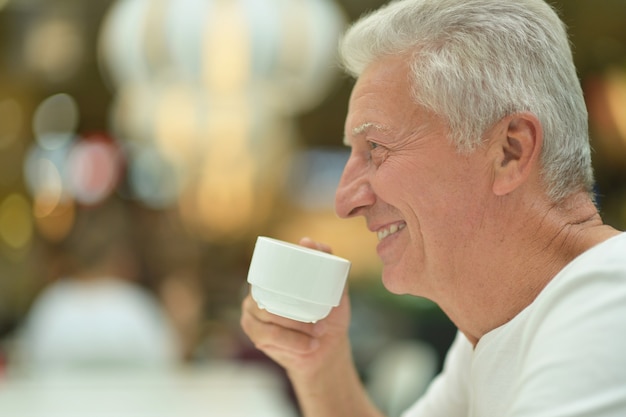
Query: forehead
381,97
388,76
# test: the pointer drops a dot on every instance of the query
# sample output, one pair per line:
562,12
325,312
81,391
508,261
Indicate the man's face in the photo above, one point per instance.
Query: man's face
421,196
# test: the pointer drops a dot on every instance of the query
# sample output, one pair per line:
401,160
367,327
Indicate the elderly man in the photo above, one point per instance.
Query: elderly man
470,160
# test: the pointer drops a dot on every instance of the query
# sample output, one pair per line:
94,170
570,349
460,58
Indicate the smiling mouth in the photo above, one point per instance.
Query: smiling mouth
394,228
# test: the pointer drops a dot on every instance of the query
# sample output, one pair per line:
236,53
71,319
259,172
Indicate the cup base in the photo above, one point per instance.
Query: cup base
289,307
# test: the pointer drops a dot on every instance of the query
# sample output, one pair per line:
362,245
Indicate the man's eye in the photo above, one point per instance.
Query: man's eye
377,153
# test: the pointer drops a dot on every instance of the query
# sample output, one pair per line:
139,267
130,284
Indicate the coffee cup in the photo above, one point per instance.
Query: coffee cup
294,281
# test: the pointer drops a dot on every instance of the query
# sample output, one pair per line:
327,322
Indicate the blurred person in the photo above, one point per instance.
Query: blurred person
470,160
97,314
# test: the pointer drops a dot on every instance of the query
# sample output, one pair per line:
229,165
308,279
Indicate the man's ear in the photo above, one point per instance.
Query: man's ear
516,148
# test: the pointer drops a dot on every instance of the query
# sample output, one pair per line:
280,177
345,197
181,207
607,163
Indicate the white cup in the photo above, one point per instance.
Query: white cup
294,281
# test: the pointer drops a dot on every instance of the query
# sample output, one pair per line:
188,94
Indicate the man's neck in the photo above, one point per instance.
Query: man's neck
517,267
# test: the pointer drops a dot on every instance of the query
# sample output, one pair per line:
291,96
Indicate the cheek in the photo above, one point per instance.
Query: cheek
396,179
407,190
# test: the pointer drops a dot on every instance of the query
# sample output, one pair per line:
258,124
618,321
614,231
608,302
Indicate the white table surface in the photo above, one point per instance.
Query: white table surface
220,389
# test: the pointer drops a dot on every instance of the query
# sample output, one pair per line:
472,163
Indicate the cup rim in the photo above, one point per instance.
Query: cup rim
302,248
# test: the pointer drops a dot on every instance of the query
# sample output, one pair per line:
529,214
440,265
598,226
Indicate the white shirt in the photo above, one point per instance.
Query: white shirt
562,356
97,323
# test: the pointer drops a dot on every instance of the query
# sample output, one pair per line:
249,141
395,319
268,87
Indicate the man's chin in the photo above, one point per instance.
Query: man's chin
392,282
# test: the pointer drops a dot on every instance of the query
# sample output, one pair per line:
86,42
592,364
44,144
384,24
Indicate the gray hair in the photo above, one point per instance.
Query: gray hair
476,61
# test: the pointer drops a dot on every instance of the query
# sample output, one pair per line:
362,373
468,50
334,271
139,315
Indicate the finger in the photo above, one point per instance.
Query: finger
310,329
265,316
270,334
310,243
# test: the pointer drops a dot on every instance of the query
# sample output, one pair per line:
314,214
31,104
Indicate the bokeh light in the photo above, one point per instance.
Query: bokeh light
54,221
205,92
94,169
55,121
11,119
178,123
54,48
153,179
616,97
16,225
45,171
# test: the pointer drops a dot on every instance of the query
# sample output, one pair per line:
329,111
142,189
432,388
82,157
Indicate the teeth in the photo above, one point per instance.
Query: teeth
383,233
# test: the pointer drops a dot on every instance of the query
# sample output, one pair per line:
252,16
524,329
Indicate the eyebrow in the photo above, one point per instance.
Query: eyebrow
360,129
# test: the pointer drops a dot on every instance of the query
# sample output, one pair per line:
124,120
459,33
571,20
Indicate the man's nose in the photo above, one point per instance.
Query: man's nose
354,192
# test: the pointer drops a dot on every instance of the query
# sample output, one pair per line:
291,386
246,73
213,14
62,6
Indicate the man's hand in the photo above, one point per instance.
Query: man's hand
301,348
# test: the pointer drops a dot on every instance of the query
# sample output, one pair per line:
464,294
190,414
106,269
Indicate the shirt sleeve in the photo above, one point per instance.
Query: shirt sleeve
447,395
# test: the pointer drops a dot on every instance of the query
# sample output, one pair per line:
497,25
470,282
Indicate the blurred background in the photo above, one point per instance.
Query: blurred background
148,142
